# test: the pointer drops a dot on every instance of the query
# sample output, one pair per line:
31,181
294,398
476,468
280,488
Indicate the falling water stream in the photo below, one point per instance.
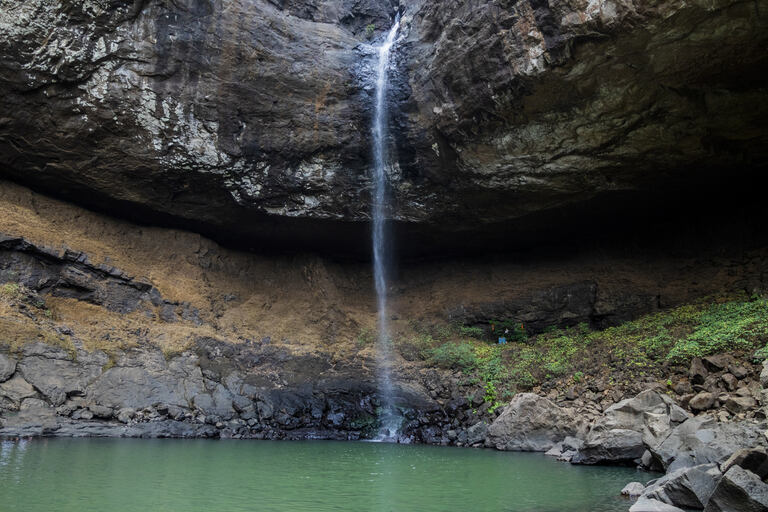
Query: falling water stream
389,417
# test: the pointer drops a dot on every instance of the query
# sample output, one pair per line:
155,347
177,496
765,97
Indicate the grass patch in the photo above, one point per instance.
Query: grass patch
637,348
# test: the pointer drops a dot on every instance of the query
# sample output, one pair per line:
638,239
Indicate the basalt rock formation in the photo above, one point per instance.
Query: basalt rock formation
247,120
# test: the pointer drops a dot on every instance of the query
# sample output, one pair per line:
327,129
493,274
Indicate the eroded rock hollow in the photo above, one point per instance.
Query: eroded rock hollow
248,120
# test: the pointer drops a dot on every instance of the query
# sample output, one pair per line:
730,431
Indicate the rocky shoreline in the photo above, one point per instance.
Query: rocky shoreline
714,460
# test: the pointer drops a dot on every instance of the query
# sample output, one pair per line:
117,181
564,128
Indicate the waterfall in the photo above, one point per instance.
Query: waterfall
390,419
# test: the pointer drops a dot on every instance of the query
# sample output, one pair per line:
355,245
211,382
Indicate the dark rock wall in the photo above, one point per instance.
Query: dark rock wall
248,120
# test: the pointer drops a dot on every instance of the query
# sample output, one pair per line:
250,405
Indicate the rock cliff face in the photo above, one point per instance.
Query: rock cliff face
248,120
110,328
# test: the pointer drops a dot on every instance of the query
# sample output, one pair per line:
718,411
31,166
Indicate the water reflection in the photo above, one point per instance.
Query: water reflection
86,475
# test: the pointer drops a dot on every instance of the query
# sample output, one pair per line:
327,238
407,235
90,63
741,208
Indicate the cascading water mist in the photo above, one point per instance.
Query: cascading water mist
390,419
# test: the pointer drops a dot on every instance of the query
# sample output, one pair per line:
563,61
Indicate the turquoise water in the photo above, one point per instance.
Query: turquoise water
230,476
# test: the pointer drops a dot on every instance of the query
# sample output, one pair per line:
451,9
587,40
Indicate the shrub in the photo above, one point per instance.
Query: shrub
457,356
471,332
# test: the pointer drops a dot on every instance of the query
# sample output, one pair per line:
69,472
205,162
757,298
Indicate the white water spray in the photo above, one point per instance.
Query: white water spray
390,419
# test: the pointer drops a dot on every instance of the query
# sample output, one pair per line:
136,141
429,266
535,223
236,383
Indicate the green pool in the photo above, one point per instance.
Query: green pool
228,476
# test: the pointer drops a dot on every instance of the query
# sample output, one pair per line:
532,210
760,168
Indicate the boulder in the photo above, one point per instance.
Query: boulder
686,487
7,367
532,423
738,404
739,490
702,440
611,446
651,505
702,401
627,427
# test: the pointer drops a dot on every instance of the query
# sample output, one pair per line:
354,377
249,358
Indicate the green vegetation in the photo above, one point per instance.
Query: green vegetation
369,29
365,337
637,348
471,332
10,290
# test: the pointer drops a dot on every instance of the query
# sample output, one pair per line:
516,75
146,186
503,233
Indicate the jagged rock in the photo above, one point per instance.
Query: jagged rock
697,372
16,389
738,404
125,415
614,446
702,440
627,427
532,423
739,490
702,402
686,487
650,505
752,459
477,433
566,449
730,381
738,371
572,443
7,367
555,451
718,362
633,489
683,388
